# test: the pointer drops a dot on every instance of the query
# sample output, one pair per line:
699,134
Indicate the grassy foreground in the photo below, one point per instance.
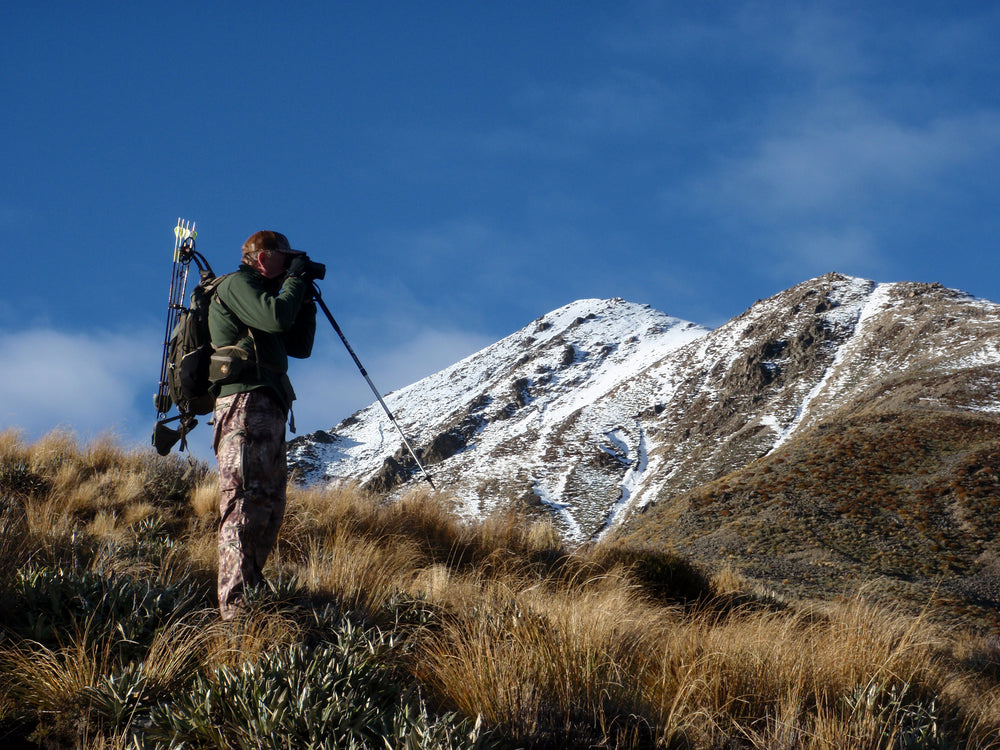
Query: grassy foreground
400,626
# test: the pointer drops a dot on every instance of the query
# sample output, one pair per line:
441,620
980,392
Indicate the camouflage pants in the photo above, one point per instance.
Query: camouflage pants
249,444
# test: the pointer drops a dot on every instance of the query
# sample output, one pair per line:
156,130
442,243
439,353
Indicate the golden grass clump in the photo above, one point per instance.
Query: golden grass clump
245,639
728,581
798,669
205,499
53,680
361,573
50,452
12,447
527,659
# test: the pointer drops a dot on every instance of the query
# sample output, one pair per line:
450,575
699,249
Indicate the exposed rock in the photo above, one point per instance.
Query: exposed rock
446,444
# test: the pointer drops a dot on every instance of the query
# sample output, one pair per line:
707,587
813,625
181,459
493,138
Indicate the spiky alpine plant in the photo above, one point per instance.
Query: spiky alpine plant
341,693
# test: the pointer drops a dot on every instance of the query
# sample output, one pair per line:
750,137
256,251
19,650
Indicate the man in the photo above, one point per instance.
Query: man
262,314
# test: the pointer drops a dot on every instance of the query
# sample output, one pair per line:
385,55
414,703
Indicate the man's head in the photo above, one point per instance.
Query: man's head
269,253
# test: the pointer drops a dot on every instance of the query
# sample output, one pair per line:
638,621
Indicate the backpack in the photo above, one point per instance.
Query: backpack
189,351
184,379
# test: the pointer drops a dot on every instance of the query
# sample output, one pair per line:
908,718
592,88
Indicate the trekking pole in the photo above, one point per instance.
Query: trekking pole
329,316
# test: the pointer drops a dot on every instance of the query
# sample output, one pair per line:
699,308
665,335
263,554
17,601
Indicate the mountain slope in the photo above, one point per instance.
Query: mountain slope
793,360
603,407
514,421
886,474
902,501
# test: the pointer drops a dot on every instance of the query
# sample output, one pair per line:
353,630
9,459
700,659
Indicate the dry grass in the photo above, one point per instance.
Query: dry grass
908,497
361,573
599,647
54,679
546,662
205,499
605,666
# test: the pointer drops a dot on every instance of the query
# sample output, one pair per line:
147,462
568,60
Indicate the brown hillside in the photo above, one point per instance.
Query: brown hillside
905,501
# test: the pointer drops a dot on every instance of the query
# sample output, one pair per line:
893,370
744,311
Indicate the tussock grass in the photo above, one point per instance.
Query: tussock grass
53,679
399,625
361,573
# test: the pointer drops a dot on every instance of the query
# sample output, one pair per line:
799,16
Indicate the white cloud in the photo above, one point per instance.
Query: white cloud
821,192
829,128
828,166
859,142
100,383
828,189
87,383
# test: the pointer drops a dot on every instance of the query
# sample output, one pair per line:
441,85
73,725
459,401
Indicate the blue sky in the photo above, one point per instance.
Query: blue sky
463,168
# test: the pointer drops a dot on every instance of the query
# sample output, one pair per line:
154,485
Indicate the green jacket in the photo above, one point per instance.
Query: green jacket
271,320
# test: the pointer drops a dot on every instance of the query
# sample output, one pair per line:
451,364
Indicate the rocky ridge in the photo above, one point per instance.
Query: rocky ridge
603,407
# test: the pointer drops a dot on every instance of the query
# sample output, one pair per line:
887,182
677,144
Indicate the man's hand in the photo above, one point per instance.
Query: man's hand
306,269
299,267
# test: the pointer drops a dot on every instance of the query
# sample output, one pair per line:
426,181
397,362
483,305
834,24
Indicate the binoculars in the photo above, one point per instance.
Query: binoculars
315,271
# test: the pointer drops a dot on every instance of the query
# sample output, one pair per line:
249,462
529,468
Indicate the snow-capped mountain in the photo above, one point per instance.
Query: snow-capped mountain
603,406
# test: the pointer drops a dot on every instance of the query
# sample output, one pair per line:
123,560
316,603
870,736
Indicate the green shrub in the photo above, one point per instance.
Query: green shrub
49,602
342,694
119,696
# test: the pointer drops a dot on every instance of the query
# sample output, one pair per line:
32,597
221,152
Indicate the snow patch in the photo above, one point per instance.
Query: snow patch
562,510
631,482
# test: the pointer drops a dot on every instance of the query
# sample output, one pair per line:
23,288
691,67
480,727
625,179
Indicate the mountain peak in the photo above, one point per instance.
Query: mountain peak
603,406
499,405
